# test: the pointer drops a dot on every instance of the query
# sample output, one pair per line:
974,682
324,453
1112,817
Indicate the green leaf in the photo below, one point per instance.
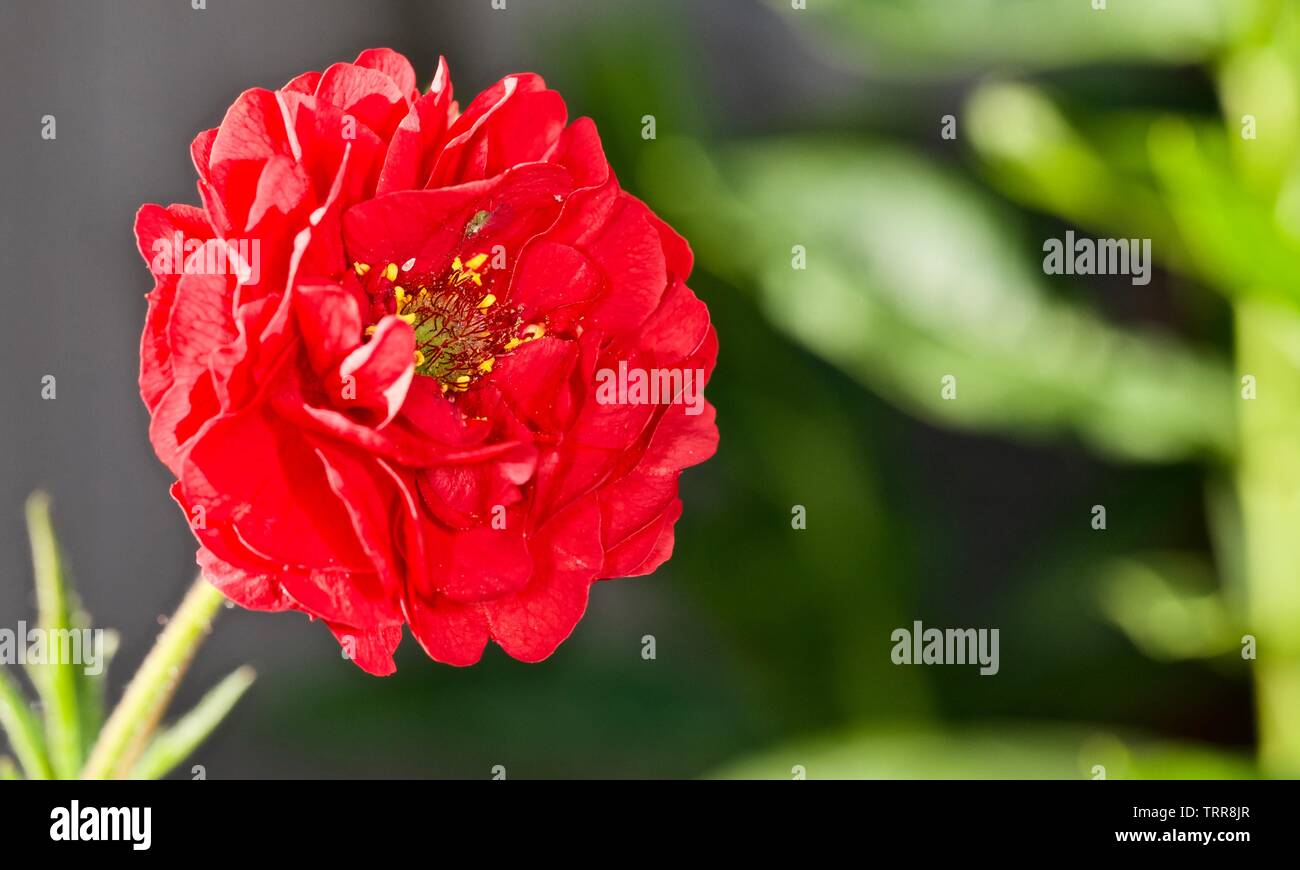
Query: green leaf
1263,83
1233,234
91,689
1168,607
56,679
8,770
24,732
1098,179
129,726
1008,752
912,276
173,745
948,37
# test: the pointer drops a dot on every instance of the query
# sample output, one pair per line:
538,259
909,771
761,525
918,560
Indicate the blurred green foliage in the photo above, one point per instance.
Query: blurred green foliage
940,37
923,259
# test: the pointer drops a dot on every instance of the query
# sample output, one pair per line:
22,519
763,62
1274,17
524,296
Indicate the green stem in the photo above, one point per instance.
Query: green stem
23,730
1268,484
151,688
56,680
175,744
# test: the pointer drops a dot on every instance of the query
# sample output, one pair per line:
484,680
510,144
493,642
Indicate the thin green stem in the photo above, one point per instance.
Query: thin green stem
56,678
173,745
23,730
1268,484
150,690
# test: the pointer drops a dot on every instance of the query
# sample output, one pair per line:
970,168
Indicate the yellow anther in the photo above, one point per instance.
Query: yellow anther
486,365
463,379
534,331
390,271
407,318
361,268
514,343
370,330
419,358
476,261
486,302
456,265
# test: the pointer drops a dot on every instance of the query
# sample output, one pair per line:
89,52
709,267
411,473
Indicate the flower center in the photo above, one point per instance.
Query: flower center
460,326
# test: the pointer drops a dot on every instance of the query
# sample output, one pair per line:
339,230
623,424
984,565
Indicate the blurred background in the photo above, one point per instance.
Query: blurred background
780,132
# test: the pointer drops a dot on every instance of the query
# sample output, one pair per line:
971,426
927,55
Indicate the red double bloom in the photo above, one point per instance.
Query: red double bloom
378,361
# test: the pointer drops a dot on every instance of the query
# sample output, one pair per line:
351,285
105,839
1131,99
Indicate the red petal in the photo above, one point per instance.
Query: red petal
530,624
369,95
252,130
451,633
201,321
262,479
304,83
377,374
156,230
614,231
555,282
371,649
329,318
643,552
515,121
255,591
532,379
393,65
323,135
201,152
412,150
480,563
579,150
430,224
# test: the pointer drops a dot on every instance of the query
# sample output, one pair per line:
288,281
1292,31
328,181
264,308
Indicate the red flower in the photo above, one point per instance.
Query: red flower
412,365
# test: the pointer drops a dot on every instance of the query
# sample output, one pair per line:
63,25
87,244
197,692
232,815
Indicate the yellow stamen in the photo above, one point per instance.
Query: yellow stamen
486,302
390,271
419,358
486,365
370,330
514,343
361,268
476,261
407,318
534,331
